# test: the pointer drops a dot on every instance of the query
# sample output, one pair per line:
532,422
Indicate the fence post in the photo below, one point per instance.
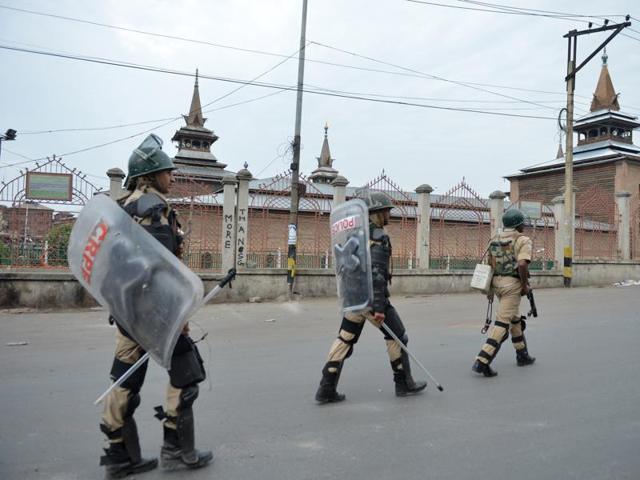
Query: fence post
423,226
115,182
623,200
242,233
576,255
228,222
339,190
496,207
558,214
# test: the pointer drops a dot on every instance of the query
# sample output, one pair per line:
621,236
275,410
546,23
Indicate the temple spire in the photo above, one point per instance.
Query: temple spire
605,97
325,159
325,173
195,118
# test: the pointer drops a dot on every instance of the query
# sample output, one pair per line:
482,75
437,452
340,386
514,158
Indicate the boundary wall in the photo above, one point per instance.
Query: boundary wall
47,290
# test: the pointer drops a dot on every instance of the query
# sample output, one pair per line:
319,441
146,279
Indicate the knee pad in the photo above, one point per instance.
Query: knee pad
392,320
353,328
187,367
135,380
132,404
188,395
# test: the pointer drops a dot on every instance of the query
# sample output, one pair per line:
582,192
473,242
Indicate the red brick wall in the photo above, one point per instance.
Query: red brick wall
546,186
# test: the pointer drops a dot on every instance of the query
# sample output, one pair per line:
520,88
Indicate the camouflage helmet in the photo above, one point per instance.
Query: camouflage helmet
377,201
149,158
512,218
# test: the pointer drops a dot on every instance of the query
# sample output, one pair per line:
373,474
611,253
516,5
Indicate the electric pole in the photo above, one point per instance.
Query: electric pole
295,164
572,70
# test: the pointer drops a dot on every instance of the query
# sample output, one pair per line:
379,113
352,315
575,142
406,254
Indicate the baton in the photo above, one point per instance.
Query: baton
404,347
215,291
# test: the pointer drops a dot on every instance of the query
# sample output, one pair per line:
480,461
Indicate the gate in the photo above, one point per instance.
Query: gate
460,229
200,214
402,227
269,206
596,233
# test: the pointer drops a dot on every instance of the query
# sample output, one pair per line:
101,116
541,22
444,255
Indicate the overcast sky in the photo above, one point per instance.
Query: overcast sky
414,145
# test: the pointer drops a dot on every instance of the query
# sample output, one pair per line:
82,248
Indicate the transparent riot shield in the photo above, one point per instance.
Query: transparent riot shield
350,243
149,292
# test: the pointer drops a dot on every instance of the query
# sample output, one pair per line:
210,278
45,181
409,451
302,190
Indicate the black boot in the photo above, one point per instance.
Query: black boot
178,450
123,458
523,358
483,369
327,392
405,384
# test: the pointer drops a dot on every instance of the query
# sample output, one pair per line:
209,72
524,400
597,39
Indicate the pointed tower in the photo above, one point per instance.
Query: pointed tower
605,96
605,143
325,173
194,158
605,122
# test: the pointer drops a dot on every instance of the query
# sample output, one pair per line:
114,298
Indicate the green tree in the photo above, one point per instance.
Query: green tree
58,241
5,254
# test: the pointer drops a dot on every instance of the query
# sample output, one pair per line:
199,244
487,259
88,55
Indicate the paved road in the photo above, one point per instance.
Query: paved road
575,414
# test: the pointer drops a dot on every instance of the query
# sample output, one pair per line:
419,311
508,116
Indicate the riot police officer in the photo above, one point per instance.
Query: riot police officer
509,256
380,311
149,179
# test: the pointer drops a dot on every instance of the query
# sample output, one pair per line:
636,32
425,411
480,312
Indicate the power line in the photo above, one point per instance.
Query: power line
523,9
435,77
271,85
507,10
142,32
255,51
173,119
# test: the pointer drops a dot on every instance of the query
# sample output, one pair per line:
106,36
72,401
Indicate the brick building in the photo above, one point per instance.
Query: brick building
605,155
26,218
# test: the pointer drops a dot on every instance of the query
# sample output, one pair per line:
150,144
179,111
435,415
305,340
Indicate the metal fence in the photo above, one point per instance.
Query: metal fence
596,234
460,228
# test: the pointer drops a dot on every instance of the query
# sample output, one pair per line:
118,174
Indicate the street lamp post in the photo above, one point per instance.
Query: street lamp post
10,134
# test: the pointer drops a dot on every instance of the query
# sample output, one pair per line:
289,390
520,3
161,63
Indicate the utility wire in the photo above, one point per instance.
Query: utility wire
519,11
535,10
435,77
255,51
173,119
270,85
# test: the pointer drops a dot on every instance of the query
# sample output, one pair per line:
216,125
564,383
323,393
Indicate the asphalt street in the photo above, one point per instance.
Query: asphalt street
575,414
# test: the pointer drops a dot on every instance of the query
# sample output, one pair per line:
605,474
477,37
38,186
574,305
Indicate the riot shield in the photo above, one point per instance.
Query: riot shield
149,292
350,242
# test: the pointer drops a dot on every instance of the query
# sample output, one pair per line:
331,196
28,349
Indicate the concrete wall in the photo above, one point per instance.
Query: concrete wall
60,290
595,273
35,289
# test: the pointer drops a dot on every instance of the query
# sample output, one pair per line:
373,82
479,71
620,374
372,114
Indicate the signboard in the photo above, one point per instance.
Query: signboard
531,210
49,186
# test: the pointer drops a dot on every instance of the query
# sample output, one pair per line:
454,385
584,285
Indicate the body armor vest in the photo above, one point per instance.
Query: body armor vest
151,206
380,266
504,255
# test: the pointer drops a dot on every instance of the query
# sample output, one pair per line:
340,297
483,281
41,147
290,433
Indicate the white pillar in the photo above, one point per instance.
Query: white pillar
423,226
228,222
339,190
242,233
115,182
623,200
573,227
496,207
558,213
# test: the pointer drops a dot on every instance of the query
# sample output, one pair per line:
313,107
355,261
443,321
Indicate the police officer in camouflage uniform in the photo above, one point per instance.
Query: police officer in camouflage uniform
509,256
380,311
148,181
